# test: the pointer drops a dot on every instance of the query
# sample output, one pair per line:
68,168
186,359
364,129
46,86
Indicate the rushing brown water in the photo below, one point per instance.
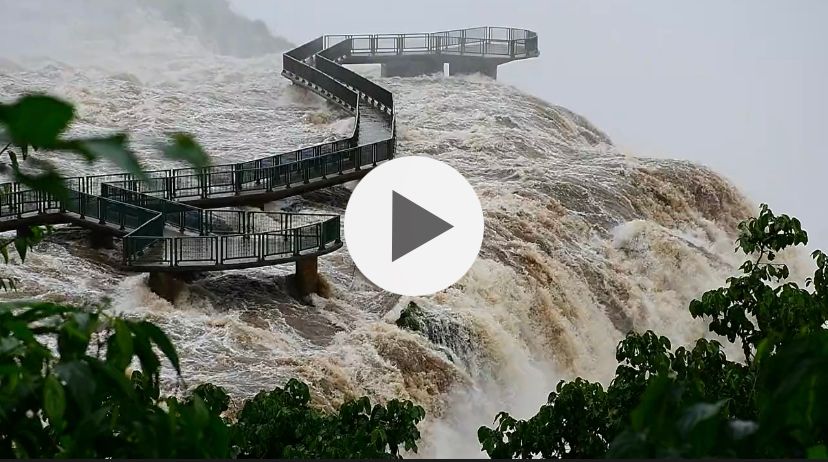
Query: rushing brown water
582,243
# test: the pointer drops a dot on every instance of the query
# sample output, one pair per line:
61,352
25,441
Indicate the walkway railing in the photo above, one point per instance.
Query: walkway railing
238,238
167,234
479,41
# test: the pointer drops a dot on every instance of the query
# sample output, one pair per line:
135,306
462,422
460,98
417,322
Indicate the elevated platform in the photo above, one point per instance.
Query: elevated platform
165,218
466,51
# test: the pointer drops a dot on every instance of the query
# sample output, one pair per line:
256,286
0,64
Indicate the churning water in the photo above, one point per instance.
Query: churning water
582,243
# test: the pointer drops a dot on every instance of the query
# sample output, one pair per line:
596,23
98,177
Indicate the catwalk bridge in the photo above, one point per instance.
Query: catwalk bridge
168,220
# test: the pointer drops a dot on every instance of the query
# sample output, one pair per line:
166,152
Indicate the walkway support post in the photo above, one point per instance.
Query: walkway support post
169,285
307,276
472,66
413,66
101,240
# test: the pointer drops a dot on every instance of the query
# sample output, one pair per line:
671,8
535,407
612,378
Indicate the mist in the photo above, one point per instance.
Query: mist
738,86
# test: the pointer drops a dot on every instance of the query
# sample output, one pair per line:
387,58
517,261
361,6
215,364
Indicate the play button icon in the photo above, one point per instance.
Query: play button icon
413,226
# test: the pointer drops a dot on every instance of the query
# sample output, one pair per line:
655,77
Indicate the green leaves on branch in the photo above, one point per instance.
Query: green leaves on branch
39,121
113,148
552,433
184,148
78,400
769,234
581,418
759,306
696,402
791,397
665,426
790,419
36,120
55,402
281,424
23,242
83,400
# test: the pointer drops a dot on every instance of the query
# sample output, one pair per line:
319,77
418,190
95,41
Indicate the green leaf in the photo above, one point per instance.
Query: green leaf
49,182
117,379
183,147
215,398
4,251
36,120
54,399
22,246
653,400
698,425
119,346
80,381
150,364
13,158
163,342
75,334
818,452
113,148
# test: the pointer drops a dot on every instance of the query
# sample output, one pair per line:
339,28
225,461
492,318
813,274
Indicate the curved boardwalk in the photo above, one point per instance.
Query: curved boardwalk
165,220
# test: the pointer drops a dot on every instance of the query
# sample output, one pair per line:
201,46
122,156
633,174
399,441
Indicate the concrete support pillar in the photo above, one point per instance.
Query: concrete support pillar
101,240
412,67
307,276
167,285
482,66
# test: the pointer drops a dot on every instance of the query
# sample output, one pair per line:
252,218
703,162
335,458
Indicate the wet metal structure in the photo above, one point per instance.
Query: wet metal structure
166,219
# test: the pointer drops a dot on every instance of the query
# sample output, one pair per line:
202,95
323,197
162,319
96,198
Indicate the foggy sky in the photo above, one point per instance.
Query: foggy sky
739,86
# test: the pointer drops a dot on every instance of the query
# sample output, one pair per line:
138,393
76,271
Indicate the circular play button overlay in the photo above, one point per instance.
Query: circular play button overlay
413,226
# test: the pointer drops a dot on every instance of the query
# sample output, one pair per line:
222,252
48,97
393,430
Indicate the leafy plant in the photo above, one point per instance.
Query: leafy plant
66,390
759,306
696,402
791,413
281,424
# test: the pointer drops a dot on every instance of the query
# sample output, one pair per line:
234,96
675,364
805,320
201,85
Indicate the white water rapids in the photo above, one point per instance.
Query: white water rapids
582,243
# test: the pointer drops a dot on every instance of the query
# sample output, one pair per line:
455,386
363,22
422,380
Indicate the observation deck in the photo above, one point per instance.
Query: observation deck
165,219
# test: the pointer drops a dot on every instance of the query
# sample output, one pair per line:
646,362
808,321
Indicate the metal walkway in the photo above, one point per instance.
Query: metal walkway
166,221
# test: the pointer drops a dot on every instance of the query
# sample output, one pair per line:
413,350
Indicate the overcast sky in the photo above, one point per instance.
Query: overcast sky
737,85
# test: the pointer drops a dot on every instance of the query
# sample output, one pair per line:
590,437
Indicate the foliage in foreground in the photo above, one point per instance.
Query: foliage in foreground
78,399
695,402
281,424
66,402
